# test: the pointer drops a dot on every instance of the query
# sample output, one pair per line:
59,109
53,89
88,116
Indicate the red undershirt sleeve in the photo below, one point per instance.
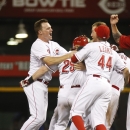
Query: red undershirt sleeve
74,59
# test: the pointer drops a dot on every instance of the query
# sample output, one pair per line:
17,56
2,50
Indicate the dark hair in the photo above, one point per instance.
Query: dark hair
37,24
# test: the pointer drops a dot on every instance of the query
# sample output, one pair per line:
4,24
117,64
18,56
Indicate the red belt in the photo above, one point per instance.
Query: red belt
45,82
74,86
99,76
95,75
115,87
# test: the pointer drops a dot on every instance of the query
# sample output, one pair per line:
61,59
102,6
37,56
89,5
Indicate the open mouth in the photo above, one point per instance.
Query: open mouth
51,34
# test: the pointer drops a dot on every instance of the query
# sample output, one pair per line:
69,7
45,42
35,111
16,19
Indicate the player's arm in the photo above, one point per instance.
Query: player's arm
80,66
40,72
115,32
126,75
57,60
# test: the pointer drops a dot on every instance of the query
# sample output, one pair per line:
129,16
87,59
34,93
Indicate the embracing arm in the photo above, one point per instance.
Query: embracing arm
57,60
40,72
80,66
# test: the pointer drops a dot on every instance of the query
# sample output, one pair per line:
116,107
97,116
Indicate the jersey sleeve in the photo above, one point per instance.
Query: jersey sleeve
83,53
40,50
119,64
124,42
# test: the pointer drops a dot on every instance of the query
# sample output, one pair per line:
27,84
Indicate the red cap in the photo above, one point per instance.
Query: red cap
103,32
81,41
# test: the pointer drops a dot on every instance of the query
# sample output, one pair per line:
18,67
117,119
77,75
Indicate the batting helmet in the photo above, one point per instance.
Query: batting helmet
80,40
103,32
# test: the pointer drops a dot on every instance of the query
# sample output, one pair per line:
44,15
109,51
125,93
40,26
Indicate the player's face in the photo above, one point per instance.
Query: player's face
46,32
93,34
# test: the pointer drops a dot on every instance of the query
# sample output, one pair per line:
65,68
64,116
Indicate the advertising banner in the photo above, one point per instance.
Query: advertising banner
15,65
64,8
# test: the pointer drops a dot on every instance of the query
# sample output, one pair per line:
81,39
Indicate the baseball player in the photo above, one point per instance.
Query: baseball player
95,94
72,77
117,81
44,52
122,40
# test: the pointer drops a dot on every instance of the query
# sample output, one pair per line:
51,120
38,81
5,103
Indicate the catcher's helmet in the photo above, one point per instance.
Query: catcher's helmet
103,32
80,40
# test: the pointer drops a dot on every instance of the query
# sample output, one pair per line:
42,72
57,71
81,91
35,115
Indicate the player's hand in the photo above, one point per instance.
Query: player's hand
114,19
24,83
79,66
72,52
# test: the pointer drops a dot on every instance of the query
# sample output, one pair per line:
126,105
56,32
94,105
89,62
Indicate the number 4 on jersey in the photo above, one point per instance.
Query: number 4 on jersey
104,64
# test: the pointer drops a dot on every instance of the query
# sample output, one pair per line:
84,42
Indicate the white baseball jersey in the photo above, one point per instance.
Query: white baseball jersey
69,77
117,78
42,49
100,60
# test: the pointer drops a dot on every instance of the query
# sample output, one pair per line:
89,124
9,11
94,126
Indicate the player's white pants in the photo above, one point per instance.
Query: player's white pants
37,95
112,108
95,95
53,119
128,114
63,107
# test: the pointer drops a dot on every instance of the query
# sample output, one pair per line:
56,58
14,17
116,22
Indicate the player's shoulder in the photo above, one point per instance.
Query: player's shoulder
38,42
53,42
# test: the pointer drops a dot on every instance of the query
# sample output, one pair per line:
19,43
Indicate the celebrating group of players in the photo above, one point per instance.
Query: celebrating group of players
92,75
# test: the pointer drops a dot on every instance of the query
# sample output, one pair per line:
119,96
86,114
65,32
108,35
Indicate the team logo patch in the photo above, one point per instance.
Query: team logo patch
56,51
48,50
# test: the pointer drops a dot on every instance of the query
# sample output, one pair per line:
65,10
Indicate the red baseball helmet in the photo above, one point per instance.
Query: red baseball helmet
80,40
103,32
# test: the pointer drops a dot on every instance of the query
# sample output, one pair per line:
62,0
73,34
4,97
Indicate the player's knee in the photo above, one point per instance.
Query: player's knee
41,120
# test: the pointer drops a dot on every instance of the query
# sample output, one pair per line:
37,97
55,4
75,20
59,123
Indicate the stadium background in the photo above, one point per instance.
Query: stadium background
66,26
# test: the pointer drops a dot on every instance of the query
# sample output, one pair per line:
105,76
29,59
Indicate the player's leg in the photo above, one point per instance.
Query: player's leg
72,126
98,112
112,108
63,113
85,100
128,114
53,119
37,95
79,107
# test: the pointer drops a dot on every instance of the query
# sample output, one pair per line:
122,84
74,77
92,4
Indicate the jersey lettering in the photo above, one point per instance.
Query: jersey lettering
67,64
104,64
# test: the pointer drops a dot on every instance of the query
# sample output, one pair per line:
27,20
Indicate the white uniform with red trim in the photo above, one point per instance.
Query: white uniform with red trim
70,83
37,92
117,81
95,94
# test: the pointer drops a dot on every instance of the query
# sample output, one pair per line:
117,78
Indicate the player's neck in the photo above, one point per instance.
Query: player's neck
43,39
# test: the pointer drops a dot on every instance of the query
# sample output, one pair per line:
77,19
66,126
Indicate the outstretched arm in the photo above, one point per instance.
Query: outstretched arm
115,32
40,72
57,60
